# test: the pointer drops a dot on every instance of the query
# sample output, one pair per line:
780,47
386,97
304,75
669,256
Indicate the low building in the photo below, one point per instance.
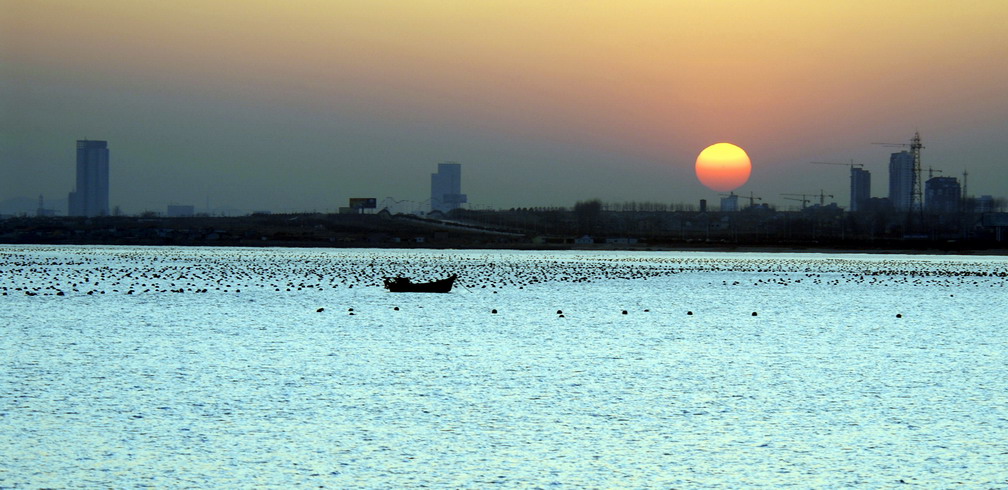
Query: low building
181,211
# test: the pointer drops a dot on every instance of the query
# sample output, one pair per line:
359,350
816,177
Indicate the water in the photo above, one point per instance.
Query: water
249,385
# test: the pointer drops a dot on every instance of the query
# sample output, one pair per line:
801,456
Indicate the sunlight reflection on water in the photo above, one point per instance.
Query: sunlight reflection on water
825,386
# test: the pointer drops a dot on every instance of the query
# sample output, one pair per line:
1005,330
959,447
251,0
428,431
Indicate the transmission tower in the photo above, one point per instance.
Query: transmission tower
916,200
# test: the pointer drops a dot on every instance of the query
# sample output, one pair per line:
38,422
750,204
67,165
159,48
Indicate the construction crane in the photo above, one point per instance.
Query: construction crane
860,189
822,197
965,174
751,197
804,199
851,164
932,171
916,201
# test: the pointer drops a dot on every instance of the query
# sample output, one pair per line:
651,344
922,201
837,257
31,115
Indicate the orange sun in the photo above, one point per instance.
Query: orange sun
723,167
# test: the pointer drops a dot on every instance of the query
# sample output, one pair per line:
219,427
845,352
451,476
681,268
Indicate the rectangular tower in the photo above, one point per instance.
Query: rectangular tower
901,179
860,188
446,188
729,204
91,195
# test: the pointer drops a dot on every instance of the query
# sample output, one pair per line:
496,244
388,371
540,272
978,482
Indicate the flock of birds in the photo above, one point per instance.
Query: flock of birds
40,271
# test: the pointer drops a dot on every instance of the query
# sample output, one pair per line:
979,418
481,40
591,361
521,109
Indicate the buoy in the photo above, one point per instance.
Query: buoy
899,315
689,312
320,310
754,313
396,308
350,309
494,311
624,312
559,312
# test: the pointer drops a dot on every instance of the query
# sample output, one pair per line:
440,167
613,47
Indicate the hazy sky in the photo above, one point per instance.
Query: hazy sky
299,105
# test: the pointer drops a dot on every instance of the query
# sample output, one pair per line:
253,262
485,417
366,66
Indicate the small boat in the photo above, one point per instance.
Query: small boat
405,285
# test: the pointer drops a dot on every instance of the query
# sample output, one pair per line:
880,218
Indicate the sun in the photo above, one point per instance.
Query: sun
723,167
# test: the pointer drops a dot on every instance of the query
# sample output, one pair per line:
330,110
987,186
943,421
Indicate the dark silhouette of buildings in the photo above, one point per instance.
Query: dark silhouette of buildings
860,188
91,196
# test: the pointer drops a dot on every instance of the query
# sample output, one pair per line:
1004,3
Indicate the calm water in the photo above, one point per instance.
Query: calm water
239,381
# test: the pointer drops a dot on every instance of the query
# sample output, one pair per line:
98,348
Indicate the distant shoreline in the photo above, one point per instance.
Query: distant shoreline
410,233
770,249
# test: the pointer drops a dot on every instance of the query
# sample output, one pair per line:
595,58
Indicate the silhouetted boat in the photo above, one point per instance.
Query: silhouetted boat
405,285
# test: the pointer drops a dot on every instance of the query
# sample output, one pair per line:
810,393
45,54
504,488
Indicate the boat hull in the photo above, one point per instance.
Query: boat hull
404,285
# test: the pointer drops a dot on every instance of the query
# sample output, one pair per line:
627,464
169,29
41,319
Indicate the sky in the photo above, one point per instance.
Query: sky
302,104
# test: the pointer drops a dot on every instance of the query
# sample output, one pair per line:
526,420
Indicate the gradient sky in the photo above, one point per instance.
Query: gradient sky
299,105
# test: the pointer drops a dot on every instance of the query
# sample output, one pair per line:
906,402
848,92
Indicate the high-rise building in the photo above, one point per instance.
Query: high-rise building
729,204
91,196
941,195
860,188
446,188
901,178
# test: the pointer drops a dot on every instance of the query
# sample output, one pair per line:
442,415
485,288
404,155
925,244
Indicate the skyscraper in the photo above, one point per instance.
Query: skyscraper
860,188
90,197
446,188
901,179
941,195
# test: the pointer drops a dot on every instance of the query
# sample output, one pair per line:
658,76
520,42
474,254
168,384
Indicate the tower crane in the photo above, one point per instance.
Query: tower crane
965,174
860,190
822,197
751,197
804,199
851,164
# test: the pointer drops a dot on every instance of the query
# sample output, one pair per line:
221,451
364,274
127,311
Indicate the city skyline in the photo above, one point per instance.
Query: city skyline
299,107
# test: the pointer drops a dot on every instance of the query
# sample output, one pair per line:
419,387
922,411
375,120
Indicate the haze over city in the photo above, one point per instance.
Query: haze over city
301,105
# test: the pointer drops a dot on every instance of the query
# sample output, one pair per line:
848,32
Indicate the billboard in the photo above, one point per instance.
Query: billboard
995,219
363,203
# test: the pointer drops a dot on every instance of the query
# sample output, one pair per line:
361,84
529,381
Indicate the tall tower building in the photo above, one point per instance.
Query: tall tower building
90,197
729,204
901,179
860,188
446,188
941,195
